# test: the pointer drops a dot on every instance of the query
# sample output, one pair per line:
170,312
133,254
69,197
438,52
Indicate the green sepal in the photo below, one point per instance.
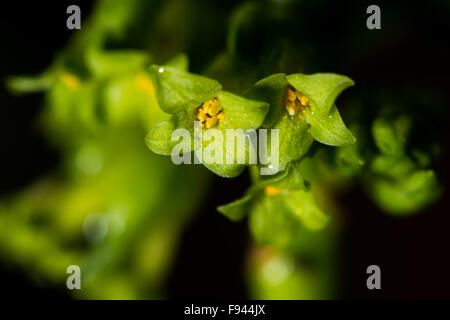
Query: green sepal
238,209
289,179
294,139
330,130
159,138
271,90
180,61
303,205
241,113
279,219
271,223
178,90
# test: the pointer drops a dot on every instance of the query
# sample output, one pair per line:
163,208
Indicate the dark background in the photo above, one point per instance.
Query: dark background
413,253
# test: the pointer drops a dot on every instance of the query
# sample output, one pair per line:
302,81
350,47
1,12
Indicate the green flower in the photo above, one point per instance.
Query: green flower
195,99
303,109
280,207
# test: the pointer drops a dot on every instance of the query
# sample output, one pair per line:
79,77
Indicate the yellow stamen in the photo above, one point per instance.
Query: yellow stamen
211,122
70,80
294,101
221,117
304,100
144,83
201,114
272,191
290,95
210,112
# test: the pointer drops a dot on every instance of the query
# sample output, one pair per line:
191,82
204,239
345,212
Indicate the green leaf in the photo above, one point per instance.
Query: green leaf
330,130
238,209
177,90
321,88
302,203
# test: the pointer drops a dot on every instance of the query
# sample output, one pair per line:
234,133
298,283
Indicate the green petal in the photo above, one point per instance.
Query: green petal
271,90
238,209
330,130
178,90
321,88
304,206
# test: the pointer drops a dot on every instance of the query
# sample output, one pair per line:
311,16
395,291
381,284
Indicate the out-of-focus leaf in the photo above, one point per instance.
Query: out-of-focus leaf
30,84
392,166
119,62
408,195
390,136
